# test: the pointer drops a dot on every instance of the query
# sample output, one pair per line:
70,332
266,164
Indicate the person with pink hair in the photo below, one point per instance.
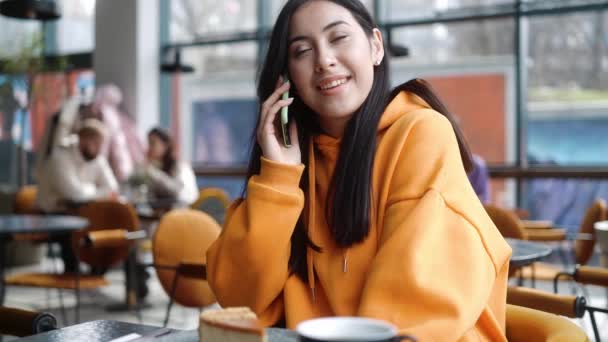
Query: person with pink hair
123,148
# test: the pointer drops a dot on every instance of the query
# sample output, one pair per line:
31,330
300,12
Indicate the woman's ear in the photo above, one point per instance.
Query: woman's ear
377,47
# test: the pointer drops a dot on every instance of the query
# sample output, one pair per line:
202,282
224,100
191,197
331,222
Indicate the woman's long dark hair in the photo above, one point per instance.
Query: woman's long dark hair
168,159
349,208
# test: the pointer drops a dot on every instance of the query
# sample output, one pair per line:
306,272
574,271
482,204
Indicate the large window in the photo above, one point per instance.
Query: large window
470,51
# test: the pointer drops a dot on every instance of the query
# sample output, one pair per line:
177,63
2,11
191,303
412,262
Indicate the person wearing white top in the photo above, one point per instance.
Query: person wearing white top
76,173
72,175
166,177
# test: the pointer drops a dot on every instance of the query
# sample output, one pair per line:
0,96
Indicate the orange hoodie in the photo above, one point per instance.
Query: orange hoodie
433,263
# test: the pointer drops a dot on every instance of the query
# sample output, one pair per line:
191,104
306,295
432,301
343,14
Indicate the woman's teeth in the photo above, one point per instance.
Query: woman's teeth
333,84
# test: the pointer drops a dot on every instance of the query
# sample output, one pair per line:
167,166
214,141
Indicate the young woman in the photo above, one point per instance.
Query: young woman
166,176
370,212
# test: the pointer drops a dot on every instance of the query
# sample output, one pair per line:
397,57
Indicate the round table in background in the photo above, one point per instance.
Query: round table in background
22,224
527,252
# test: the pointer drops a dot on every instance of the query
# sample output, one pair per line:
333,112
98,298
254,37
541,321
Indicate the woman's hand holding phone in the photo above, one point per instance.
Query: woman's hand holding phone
269,137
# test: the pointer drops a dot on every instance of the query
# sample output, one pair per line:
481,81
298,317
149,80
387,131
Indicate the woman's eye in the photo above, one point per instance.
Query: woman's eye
338,38
300,52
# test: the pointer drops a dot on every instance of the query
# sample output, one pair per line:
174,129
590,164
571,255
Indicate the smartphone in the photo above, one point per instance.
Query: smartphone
285,118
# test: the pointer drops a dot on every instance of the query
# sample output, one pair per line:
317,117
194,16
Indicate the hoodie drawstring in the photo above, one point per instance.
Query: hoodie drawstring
345,258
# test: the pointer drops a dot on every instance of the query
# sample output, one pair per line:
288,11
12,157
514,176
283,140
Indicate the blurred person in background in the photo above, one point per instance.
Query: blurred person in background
58,132
480,179
75,174
165,176
123,148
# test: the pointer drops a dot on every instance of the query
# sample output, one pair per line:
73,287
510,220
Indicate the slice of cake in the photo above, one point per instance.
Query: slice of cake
230,325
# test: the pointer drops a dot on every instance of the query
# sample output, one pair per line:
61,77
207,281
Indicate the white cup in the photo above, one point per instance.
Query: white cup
601,236
349,329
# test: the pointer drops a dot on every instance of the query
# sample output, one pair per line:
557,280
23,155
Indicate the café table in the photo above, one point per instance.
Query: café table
105,331
19,224
527,252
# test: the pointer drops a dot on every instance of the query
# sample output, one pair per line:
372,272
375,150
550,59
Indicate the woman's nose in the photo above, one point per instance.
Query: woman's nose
325,59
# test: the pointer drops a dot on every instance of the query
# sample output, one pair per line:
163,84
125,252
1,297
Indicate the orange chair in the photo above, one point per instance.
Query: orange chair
525,324
587,275
507,222
25,200
179,247
102,215
213,201
25,204
569,306
582,249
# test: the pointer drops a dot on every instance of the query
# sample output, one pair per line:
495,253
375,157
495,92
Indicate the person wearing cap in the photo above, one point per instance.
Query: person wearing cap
77,173
73,175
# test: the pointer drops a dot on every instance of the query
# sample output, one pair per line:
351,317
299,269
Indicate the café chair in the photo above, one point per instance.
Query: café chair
525,324
564,305
95,246
25,204
582,249
179,248
522,213
20,323
103,215
586,275
25,200
508,224
213,201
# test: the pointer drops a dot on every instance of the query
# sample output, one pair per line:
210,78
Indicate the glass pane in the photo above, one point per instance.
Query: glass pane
16,34
457,42
193,19
567,94
275,7
218,104
76,28
396,10
221,59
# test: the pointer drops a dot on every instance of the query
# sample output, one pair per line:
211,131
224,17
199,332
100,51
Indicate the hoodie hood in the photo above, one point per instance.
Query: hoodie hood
400,105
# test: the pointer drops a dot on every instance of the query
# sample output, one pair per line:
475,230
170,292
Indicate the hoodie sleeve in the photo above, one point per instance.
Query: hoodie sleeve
432,275
248,263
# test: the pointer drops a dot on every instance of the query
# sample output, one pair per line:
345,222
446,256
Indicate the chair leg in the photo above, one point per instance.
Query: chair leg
583,287
77,255
520,277
173,289
64,315
594,325
557,277
566,261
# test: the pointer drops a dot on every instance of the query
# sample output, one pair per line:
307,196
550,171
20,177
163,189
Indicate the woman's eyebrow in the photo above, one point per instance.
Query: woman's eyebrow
327,27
